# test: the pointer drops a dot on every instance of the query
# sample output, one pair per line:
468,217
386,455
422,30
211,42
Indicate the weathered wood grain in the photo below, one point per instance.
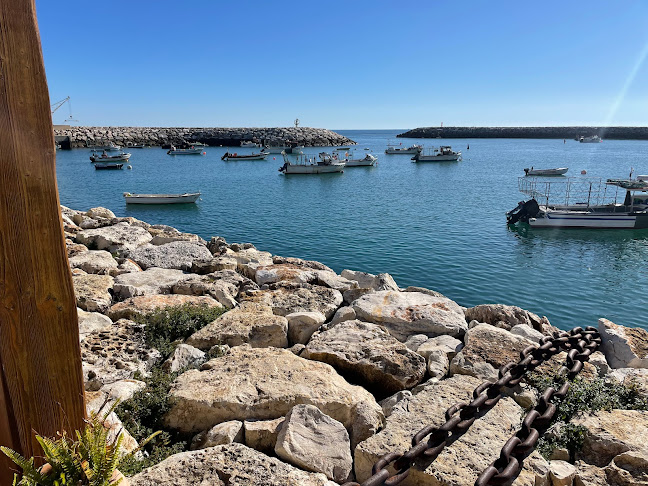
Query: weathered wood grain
40,361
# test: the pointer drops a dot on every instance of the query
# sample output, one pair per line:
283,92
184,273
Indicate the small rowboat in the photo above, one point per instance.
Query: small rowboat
367,161
546,172
110,158
235,156
101,166
187,197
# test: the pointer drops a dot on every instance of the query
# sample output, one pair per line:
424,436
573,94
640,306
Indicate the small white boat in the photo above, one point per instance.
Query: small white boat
250,143
308,164
442,154
592,139
187,197
582,203
546,172
367,161
106,148
187,151
396,149
104,157
290,148
236,156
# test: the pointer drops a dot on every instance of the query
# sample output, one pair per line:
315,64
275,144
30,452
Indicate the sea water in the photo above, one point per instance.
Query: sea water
436,225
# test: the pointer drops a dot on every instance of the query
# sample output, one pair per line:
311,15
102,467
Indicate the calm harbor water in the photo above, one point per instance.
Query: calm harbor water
436,225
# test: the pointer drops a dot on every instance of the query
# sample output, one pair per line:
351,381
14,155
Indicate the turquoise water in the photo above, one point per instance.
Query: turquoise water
437,225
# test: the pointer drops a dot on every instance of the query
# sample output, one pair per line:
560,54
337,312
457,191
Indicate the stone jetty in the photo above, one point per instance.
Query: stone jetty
310,376
75,137
569,133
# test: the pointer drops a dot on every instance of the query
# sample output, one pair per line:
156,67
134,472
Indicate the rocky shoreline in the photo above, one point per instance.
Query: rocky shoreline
309,376
569,133
76,137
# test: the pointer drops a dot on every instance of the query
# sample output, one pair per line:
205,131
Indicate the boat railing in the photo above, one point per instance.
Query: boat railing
573,191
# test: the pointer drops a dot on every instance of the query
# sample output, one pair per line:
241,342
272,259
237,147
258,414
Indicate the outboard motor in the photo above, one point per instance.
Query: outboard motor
524,211
283,167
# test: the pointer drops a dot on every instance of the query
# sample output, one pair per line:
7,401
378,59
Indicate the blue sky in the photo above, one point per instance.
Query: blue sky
347,64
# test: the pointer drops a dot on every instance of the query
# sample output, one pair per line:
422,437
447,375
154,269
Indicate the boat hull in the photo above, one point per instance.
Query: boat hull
185,152
546,172
246,157
360,163
102,166
312,169
403,151
161,198
561,219
110,158
437,158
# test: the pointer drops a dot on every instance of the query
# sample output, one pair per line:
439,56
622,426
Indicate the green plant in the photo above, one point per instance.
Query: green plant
165,326
89,460
567,436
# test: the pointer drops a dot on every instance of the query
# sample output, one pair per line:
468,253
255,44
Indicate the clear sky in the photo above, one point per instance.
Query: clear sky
347,64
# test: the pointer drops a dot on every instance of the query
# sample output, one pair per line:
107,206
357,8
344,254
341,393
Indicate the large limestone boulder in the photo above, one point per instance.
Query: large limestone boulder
309,298
223,286
486,350
382,281
460,463
100,212
624,347
298,262
367,354
407,313
214,264
237,464
561,473
315,442
179,255
152,281
505,316
183,356
251,323
249,259
143,304
163,234
265,383
94,261
91,321
612,433
302,325
448,344
93,292
636,377
628,469
111,238
116,354
285,272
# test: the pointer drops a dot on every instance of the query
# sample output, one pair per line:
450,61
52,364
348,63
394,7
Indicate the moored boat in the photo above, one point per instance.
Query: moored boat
397,149
546,172
104,166
111,147
442,154
308,164
249,143
185,151
592,139
253,156
368,160
187,197
582,203
104,157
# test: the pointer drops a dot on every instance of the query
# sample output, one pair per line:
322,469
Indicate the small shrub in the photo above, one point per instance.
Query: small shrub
165,326
567,436
90,460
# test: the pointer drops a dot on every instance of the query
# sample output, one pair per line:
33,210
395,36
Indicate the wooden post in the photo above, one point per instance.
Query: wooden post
41,380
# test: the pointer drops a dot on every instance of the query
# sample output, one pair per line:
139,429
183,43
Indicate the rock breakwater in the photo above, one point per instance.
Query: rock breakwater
75,137
611,133
310,376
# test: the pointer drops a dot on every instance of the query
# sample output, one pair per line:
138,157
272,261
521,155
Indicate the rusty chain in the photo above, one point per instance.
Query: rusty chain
461,416
581,344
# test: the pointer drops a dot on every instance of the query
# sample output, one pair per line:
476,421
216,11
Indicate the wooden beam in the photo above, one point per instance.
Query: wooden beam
41,382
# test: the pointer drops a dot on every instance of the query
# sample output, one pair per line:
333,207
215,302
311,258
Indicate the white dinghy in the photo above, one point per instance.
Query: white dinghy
187,197
546,172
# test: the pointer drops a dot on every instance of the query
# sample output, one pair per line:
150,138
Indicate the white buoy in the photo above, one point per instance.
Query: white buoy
129,167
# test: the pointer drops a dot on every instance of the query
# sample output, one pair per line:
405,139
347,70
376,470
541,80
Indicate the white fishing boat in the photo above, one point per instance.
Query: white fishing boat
368,160
249,143
185,151
309,164
104,157
442,154
546,172
237,156
187,197
398,149
582,203
592,139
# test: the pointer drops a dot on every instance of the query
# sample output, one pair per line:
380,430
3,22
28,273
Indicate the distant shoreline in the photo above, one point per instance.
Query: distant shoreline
609,133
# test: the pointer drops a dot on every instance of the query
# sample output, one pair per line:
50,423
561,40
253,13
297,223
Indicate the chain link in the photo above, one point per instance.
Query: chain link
461,416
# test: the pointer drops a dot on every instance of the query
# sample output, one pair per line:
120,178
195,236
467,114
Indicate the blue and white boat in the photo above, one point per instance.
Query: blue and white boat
582,203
